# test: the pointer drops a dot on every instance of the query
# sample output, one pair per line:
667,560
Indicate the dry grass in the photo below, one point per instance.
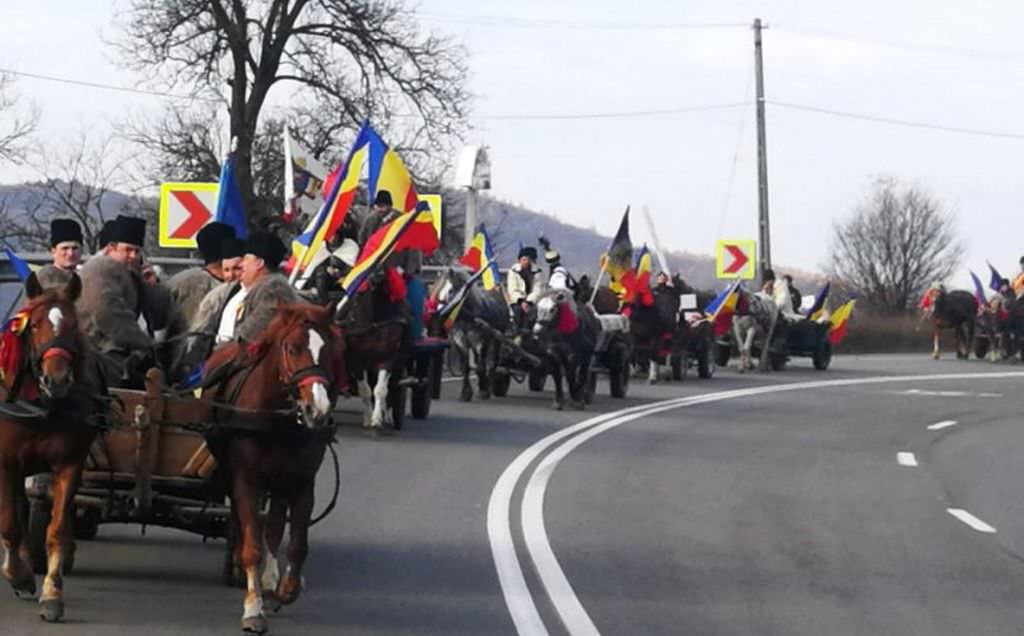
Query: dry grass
871,332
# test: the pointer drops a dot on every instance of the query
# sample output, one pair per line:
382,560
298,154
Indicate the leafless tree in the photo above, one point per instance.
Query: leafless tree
343,61
895,244
15,124
81,181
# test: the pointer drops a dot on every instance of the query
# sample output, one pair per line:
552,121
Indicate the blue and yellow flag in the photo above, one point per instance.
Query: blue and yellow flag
481,256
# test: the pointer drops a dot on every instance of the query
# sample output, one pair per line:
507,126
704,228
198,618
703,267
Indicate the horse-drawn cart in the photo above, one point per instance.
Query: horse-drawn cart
149,468
694,346
612,355
421,377
803,339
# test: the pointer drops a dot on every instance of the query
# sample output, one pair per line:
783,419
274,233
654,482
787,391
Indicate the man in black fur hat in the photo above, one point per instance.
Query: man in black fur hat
380,215
524,285
66,247
119,307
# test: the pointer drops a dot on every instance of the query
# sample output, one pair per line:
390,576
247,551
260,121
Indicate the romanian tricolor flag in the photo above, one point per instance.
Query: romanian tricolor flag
979,292
450,312
838,322
323,226
411,231
641,280
817,310
480,256
618,260
721,309
387,172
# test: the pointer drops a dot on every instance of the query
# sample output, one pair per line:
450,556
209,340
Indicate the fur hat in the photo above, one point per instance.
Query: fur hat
232,247
64,231
769,275
128,229
268,246
530,252
105,233
383,198
210,240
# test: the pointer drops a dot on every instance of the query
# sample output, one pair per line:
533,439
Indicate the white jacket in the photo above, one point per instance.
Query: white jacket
559,278
516,286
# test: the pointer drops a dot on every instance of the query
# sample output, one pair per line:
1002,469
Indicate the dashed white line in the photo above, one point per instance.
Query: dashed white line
938,426
906,459
971,520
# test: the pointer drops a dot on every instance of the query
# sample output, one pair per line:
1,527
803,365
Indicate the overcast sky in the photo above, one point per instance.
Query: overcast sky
956,65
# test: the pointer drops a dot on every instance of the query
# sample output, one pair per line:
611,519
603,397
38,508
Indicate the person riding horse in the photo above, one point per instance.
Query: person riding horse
122,304
66,247
558,277
524,285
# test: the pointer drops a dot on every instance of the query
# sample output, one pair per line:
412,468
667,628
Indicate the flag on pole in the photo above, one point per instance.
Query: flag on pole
720,310
230,209
344,181
995,279
838,322
619,258
816,310
387,172
450,312
979,291
304,178
18,264
480,256
639,284
411,231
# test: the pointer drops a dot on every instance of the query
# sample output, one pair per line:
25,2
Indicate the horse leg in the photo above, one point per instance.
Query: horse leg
935,343
556,377
273,533
247,506
466,355
653,368
366,395
59,544
380,399
482,370
13,525
740,339
298,545
580,367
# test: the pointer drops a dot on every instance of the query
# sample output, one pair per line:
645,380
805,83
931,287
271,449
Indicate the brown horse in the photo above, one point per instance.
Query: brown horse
50,368
956,310
272,426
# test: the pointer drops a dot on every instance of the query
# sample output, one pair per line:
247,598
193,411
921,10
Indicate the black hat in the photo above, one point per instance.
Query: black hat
128,229
232,248
268,246
105,232
769,275
528,251
211,238
64,230
383,198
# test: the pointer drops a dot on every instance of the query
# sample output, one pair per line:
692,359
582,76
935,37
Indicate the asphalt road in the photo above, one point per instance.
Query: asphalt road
761,512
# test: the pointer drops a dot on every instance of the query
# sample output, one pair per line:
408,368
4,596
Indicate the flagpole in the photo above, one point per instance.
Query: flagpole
597,283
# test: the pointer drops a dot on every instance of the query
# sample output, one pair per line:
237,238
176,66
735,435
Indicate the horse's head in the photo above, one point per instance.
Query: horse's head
295,345
549,310
53,340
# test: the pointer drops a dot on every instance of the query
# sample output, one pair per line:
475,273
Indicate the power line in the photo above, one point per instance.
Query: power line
896,122
509,21
102,86
900,44
612,115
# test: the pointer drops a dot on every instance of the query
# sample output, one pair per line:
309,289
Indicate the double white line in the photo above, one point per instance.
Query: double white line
573,615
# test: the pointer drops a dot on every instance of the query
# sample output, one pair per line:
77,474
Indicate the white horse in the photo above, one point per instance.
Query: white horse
752,322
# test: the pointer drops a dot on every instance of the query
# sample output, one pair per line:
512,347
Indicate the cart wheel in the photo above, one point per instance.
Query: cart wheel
705,365
537,380
500,384
680,364
86,524
777,360
233,575
823,356
39,513
420,402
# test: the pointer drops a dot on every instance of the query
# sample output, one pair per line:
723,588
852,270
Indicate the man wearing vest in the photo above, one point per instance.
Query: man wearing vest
118,309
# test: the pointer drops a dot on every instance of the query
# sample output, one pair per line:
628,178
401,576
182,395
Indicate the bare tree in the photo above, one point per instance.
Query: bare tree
344,61
15,125
895,244
80,182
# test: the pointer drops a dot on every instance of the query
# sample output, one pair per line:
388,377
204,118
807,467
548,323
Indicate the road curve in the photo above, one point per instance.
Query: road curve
779,513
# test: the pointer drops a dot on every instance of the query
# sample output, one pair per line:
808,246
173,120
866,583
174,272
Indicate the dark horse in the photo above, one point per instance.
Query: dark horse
956,310
272,424
378,340
53,370
568,331
477,345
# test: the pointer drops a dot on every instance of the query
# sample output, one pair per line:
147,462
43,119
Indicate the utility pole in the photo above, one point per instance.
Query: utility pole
764,233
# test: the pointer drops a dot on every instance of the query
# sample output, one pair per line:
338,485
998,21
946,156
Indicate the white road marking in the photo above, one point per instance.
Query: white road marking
938,426
520,603
971,520
929,392
906,459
